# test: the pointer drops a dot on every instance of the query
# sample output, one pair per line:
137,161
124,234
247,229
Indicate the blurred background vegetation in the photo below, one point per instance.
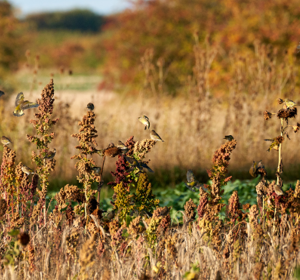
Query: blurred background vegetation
198,71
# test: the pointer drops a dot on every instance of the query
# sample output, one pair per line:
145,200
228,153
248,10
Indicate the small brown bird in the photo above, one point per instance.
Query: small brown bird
278,190
154,136
228,137
90,106
50,155
5,141
27,170
112,151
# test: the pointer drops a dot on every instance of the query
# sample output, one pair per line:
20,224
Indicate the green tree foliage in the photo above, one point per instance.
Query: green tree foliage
75,20
167,27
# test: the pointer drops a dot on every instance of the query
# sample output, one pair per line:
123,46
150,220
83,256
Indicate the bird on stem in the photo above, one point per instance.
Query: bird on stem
22,104
137,164
145,121
289,103
50,155
5,141
90,106
154,136
278,190
192,182
122,147
27,170
228,137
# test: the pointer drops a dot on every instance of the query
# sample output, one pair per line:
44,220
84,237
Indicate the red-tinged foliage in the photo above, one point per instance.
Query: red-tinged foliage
169,29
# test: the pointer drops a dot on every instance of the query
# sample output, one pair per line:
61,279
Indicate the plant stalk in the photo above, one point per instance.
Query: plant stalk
280,151
100,183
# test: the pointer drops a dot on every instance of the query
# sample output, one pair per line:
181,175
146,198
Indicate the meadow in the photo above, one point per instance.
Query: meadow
91,210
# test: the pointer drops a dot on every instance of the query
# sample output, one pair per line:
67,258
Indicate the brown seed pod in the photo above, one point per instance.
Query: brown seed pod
24,238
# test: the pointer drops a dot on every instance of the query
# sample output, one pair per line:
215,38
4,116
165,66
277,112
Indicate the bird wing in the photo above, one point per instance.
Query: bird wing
18,112
190,176
28,105
19,99
189,188
144,165
132,161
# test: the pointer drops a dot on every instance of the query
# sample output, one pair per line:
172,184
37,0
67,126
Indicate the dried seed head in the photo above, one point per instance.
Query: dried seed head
3,207
267,115
287,113
280,101
24,238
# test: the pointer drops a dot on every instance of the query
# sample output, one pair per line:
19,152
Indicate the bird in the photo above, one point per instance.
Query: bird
228,137
144,165
90,106
192,182
5,141
1,93
100,152
122,147
27,170
22,104
275,144
112,151
145,121
289,103
96,169
278,190
154,136
254,168
139,165
50,155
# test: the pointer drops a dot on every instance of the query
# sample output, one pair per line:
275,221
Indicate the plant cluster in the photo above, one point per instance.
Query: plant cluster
137,239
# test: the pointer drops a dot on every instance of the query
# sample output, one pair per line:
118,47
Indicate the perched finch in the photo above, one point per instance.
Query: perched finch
145,121
139,165
27,170
50,155
192,182
278,190
22,104
154,136
228,137
5,141
90,106
96,169
289,103
1,93
254,169
122,147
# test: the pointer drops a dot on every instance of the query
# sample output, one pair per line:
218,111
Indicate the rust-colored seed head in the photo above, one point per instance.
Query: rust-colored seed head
3,207
24,238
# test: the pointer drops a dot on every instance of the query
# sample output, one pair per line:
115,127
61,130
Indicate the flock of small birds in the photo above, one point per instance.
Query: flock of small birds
192,184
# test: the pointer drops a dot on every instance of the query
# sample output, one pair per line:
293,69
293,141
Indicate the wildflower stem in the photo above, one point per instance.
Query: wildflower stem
100,183
280,150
